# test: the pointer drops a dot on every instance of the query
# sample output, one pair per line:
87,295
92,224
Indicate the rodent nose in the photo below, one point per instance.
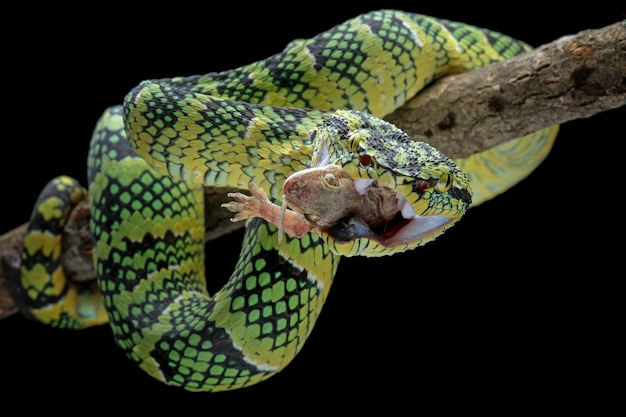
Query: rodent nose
291,186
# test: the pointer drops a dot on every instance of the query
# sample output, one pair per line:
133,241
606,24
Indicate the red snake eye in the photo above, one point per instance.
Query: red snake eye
365,160
422,185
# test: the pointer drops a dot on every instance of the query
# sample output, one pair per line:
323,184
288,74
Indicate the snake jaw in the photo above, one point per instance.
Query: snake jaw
408,227
417,228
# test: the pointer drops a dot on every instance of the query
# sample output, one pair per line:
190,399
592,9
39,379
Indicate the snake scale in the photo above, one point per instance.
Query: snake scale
317,103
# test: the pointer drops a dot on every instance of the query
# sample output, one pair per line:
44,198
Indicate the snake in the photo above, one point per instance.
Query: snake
319,102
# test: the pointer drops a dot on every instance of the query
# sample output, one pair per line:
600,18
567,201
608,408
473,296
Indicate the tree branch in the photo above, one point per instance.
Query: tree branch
573,77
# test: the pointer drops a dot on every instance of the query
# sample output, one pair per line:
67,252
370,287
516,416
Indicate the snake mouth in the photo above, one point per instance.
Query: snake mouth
405,228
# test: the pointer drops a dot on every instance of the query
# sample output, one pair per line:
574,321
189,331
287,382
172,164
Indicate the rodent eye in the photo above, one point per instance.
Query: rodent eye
331,180
312,218
444,182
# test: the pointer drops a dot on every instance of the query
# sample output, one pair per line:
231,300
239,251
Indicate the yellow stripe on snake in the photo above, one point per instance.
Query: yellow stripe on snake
307,117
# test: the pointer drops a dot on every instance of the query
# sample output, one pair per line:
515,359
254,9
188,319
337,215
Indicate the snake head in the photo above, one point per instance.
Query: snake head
431,192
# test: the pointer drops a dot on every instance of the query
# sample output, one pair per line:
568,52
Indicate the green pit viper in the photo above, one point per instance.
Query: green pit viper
319,102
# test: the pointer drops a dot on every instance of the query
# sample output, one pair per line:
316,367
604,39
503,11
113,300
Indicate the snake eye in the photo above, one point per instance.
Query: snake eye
331,181
365,160
444,183
422,185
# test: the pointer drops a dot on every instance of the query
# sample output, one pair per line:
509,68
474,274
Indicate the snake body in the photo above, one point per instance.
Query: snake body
317,102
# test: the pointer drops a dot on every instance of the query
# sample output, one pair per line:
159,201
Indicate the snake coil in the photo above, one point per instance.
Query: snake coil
318,102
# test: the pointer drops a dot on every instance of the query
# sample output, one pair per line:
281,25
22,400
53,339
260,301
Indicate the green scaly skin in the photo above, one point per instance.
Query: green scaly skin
147,213
41,288
168,323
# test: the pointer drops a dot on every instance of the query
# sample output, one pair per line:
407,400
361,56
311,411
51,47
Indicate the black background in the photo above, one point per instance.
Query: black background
516,310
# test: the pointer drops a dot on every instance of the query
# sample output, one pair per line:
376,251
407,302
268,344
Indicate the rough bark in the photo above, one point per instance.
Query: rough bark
573,77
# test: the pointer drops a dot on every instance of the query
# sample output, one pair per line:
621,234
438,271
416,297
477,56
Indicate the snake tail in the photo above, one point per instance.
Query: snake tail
43,291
